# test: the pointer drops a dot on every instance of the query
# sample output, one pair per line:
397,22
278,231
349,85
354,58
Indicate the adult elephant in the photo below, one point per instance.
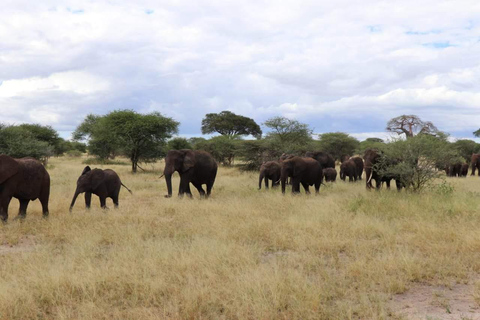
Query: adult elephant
325,160
330,174
455,170
25,179
102,183
372,158
475,163
269,170
359,167
194,166
348,169
305,171
464,170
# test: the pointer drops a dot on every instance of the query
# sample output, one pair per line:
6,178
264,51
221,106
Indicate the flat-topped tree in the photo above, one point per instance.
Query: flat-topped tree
230,124
411,125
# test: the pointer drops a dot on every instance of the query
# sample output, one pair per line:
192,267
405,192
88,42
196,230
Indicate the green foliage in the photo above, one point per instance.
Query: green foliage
255,152
73,153
140,137
370,143
222,148
98,161
178,143
338,144
289,136
415,160
229,124
466,147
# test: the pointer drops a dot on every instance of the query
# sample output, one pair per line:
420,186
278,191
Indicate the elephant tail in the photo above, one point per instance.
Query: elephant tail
126,188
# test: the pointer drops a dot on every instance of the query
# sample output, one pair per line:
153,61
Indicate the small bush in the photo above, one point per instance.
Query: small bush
73,153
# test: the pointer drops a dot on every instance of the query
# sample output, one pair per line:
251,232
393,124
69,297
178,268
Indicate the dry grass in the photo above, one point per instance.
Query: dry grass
243,254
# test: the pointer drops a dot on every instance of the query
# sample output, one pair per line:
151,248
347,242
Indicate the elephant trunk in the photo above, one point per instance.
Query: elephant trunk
77,192
261,177
283,178
168,172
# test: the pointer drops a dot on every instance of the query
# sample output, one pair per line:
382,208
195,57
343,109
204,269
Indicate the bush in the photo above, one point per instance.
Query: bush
73,153
100,161
222,148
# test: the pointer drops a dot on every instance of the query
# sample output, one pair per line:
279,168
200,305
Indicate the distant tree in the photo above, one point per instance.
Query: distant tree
178,143
338,144
222,148
18,142
370,143
410,125
287,135
140,137
46,134
229,124
466,147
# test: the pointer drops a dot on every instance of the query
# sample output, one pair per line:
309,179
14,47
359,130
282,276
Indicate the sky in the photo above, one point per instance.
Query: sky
339,65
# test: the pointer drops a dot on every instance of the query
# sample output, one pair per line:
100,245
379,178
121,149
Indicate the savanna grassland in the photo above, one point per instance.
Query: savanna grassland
242,254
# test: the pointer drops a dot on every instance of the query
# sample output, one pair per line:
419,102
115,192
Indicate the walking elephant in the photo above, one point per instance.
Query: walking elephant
305,171
325,160
348,169
330,174
269,170
475,163
103,183
25,179
359,167
194,166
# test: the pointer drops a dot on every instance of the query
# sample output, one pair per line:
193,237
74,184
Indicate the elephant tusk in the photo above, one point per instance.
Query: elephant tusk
370,178
161,176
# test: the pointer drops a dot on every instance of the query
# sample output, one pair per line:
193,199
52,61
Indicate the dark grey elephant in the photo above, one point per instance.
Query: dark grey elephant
269,170
25,179
348,169
103,183
359,167
325,160
330,174
372,158
304,171
475,162
194,166
464,170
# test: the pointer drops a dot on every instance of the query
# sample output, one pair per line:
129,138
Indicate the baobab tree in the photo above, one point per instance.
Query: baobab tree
411,125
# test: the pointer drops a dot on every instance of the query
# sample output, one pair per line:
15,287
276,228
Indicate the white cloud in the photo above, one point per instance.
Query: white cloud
339,66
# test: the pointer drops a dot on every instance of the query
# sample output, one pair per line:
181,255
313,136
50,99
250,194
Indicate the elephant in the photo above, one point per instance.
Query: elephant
330,174
359,167
269,170
25,179
372,158
305,171
285,156
475,162
194,166
325,160
348,169
455,170
464,170
103,183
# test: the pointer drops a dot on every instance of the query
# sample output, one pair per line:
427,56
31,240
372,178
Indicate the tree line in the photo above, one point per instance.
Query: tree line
144,138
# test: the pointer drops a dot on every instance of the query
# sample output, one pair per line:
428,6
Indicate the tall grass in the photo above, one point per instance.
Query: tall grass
242,254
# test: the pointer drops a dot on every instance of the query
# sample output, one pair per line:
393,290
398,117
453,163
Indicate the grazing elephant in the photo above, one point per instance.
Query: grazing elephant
103,183
269,170
475,162
348,169
305,171
359,167
25,179
194,166
325,160
464,170
330,174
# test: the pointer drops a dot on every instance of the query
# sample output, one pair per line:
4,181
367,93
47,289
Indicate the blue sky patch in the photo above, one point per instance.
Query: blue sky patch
149,11
438,45
75,11
376,28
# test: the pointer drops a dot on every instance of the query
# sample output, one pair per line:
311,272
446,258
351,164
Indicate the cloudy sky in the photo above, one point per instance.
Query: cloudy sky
337,65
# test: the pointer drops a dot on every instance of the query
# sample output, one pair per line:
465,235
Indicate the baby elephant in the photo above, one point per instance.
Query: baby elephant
330,174
104,183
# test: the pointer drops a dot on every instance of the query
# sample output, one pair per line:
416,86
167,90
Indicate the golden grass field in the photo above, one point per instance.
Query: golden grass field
242,254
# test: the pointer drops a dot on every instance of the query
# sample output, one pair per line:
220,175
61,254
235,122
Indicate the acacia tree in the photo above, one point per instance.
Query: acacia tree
411,125
229,124
338,144
140,137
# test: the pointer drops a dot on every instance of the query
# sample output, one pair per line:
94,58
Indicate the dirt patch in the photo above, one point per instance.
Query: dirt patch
25,244
437,302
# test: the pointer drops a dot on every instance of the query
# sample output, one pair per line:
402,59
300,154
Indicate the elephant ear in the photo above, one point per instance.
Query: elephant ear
85,170
188,161
8,167
97,178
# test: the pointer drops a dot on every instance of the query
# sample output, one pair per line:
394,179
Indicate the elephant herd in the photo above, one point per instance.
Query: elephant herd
26,179
309,170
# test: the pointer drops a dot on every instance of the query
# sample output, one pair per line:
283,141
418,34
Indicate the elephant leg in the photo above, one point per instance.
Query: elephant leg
103,202
44,196
200,189
266,182
188,191
306,187
22,212
378,184
295,185
388,184
317,187
115,201
88,199
209,188
4,202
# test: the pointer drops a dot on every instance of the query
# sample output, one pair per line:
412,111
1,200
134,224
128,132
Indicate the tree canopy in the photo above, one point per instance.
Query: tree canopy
229,124
466,147
411,125
338,144
140,137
